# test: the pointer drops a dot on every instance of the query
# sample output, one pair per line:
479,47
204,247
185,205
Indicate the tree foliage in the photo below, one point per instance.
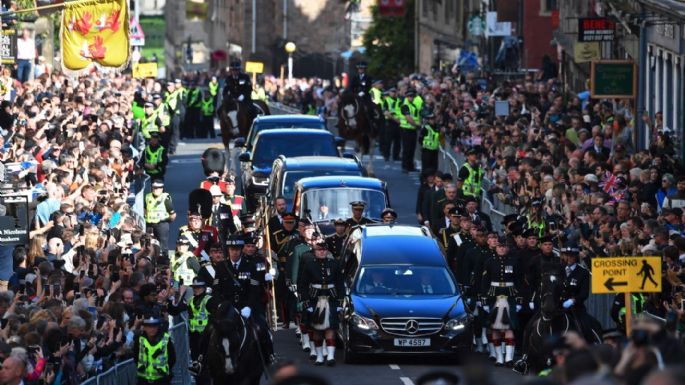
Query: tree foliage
389,43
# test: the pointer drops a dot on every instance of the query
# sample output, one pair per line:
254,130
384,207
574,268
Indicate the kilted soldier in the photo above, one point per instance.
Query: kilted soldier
322,279
501,277
299,247
279,242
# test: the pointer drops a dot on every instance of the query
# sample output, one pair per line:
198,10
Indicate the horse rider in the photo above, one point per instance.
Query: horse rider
155,157
245,274
545,263
360,86
501,278
222,216
281,238
238,87
471,174
322,285
336,240
358,218
154,354
251,254
200,306
576,290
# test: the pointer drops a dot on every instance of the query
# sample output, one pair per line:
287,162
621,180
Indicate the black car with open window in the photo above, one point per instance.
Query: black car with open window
401,297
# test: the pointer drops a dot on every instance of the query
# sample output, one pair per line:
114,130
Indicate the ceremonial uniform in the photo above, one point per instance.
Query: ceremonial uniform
446,234
199,239
222,219
279,243
456,255
576,287
335,243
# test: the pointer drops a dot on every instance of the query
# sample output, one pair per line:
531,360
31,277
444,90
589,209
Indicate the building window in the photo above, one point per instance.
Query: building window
547,6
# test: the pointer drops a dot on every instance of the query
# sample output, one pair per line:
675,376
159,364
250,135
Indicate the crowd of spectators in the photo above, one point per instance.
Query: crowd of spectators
72,298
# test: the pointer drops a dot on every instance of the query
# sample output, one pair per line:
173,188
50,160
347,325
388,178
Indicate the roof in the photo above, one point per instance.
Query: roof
341,181
399,245
320,163
293,131
288,118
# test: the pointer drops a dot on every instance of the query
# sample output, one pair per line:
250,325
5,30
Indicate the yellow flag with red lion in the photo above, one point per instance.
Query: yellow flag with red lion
95,31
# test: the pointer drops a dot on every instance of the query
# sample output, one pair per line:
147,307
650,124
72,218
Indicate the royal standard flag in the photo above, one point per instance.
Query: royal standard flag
95,31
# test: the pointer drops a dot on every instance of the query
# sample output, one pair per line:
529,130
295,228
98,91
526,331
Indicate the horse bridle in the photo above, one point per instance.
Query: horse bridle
551,332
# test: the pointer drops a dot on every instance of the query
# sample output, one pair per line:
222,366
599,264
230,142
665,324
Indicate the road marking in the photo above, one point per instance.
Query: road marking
185,161
394,367
406,381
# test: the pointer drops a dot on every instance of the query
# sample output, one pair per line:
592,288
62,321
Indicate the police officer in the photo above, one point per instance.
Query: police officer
279,244
193,103
222,216
200,306
174,102
360,85
162,114
159,213
155,158
184,265
154,354
410,121
213,89
358,218
393,138
322,285
501,278
206,127
430,142
472,175
150,121
335,241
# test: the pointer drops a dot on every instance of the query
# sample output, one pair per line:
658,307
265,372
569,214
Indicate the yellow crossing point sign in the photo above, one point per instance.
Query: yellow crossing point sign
626,275
254,66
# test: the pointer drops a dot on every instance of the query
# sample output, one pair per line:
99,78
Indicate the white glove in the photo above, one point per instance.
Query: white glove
479,304
245,312
268,277
241,98
568,303
518,308
204,257
531,305
361,94
338,309
310,309
468,301
486,309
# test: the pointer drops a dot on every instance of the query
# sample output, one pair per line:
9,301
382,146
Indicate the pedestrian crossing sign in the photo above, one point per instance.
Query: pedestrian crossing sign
626,275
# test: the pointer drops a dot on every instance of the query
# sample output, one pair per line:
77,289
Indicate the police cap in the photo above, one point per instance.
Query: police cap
340,222
235,65
546,238
235,241
198,282
151,321
158,183
154,134
358,204
389,211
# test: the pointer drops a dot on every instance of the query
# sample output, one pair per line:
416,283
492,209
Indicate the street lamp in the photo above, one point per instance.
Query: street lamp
290,47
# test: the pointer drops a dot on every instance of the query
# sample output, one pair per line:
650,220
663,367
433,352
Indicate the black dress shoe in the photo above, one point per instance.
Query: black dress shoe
330,362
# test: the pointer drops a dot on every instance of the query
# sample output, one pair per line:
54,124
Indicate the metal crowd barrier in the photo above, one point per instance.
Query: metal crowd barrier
124,373
598,305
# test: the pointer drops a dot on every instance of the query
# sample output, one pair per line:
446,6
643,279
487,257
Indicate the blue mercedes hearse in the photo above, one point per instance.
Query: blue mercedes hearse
401,297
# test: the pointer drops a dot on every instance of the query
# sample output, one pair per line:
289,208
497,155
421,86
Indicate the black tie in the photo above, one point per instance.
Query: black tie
235,265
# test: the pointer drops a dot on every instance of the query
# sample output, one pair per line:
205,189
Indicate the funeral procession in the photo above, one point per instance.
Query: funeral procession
342,192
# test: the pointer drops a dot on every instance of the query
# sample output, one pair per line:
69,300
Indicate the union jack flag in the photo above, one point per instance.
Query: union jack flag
613,185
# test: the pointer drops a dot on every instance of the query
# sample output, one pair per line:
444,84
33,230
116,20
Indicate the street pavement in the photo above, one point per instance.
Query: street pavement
184,174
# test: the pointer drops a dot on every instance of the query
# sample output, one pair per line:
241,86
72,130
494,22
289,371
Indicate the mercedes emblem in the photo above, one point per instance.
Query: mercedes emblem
412,326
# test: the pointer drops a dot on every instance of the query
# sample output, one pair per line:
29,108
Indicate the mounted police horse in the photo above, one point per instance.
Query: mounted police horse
232,356
356,124
235,120
551,321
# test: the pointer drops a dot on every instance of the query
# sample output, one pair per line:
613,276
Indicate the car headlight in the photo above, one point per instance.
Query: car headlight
457,324
259,181
363,322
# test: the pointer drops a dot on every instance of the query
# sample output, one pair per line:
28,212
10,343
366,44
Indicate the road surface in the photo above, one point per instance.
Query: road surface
184,174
